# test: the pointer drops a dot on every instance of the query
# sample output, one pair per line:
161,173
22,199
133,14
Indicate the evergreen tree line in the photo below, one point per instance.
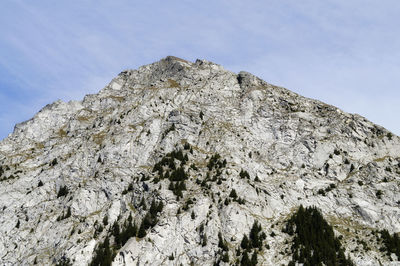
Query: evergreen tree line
314,241
169,161
176,175
244,174
252,242
247,261
235,197
150,219
391,243
177,188
216,162
105,252
223,250
177,182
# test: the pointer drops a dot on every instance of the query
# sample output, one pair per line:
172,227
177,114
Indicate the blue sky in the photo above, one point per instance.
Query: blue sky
345,53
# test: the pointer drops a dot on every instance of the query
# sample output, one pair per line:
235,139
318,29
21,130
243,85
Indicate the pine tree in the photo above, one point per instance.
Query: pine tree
204,241
63,191
245,242
233,194
153,207
160,206
102,255
254,259
314,241
221,242
105,220
254,235
245,261
142,230
225,257
116,233
143,204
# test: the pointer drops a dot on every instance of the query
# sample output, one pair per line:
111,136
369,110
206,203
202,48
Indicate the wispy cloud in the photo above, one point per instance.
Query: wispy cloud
342,52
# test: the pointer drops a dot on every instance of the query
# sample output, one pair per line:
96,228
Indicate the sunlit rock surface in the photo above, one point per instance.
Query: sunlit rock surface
296,151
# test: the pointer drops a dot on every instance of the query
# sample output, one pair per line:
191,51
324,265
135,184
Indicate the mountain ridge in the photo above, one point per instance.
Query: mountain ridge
103,150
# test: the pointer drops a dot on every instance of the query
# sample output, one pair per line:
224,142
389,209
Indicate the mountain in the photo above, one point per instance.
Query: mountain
188,163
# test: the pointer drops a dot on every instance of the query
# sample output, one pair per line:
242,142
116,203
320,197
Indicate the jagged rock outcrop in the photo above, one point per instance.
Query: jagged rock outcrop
77,170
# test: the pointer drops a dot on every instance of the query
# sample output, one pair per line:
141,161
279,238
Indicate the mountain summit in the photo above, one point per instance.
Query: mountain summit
188,163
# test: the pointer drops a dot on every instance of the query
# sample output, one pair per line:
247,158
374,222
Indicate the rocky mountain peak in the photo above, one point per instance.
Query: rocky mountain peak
226,166
171,68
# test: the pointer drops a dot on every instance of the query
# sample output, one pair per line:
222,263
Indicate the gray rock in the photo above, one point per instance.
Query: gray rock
295,146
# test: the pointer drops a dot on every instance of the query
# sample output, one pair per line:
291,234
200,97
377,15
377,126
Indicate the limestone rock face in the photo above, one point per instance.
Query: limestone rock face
75,164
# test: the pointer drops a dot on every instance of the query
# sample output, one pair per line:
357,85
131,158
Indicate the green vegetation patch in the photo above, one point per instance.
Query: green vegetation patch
314,241
251,244
391,243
